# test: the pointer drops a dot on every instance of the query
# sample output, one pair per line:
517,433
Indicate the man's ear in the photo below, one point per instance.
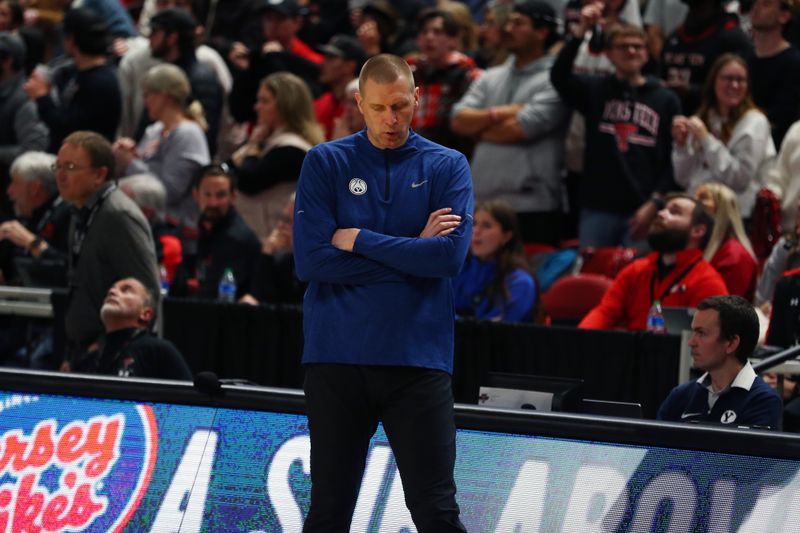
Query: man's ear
102,175
146,316
697,232
733,344
358,101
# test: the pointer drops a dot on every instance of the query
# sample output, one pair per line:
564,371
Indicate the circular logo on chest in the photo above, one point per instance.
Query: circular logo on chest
728,417
358,186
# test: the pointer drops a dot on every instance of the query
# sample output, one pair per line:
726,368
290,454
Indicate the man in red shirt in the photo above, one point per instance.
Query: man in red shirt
674,274
344,56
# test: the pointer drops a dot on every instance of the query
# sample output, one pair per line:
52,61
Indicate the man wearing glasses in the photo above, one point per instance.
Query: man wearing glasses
627,161
109,239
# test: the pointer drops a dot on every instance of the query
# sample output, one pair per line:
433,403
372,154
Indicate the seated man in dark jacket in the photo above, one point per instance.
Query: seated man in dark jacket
724,335
224,240
128,348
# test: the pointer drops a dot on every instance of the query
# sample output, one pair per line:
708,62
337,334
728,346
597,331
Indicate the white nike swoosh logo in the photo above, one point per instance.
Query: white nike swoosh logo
420,184
687,415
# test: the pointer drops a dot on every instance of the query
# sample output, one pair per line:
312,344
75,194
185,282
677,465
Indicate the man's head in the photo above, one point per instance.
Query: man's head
214,190
344,56
682,224
280,20
626,48
85,162
12,54
85,33
172,35
32,182
532,25
128,304
148,192
437,36
724,328
771,15
387,98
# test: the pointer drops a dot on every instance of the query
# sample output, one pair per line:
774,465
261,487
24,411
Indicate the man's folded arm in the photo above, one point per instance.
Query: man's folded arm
316,259
429,257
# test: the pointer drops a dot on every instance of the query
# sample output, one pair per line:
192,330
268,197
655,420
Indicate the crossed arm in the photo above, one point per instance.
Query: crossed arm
327,253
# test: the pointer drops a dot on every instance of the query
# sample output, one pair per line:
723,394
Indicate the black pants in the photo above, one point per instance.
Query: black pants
344,404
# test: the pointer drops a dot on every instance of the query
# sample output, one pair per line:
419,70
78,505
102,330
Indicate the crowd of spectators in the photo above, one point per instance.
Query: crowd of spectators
659,126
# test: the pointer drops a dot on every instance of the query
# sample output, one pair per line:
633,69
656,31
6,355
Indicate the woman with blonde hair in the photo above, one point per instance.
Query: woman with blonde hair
268,164
173,147
729,138
729,250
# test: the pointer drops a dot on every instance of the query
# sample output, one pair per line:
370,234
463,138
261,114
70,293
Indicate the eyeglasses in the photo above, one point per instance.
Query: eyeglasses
732,78
67,167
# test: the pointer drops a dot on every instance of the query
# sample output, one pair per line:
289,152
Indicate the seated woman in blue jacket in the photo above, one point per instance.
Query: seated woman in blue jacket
495,282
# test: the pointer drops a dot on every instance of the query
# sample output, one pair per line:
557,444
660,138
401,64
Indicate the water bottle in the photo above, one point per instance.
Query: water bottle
163,279
655,319
227,286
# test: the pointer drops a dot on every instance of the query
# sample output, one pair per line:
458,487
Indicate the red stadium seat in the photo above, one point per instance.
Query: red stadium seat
572,297
534,248
607,260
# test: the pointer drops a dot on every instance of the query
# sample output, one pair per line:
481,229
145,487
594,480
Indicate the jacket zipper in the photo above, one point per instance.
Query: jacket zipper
388,183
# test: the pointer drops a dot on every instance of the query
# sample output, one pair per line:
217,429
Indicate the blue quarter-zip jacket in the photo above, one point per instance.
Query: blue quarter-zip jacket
390,301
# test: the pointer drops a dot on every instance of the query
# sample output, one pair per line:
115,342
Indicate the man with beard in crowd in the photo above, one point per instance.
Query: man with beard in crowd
675,274
225,241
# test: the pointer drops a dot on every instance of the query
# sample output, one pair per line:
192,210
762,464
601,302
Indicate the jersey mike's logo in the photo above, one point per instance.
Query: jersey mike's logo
66,465
357,186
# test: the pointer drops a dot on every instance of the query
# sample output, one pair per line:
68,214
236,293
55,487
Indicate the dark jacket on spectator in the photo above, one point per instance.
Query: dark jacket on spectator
89,100
21,130
775,86
229,244
276,281
689,53
138,354
299,59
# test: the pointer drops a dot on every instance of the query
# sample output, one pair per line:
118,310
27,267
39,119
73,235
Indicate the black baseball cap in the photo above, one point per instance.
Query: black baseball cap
538,11
344,46
289,8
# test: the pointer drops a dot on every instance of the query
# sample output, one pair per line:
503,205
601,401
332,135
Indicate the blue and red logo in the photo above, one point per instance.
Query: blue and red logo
75,465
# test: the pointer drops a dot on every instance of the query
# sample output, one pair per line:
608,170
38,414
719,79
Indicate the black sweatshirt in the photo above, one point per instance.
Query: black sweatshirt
628,152
775,86
690,51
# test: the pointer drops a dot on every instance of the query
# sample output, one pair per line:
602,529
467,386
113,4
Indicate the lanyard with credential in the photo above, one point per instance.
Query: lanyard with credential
674,282
81,230
45,219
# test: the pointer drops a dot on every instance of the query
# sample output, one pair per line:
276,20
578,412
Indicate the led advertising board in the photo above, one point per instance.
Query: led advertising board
72,463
